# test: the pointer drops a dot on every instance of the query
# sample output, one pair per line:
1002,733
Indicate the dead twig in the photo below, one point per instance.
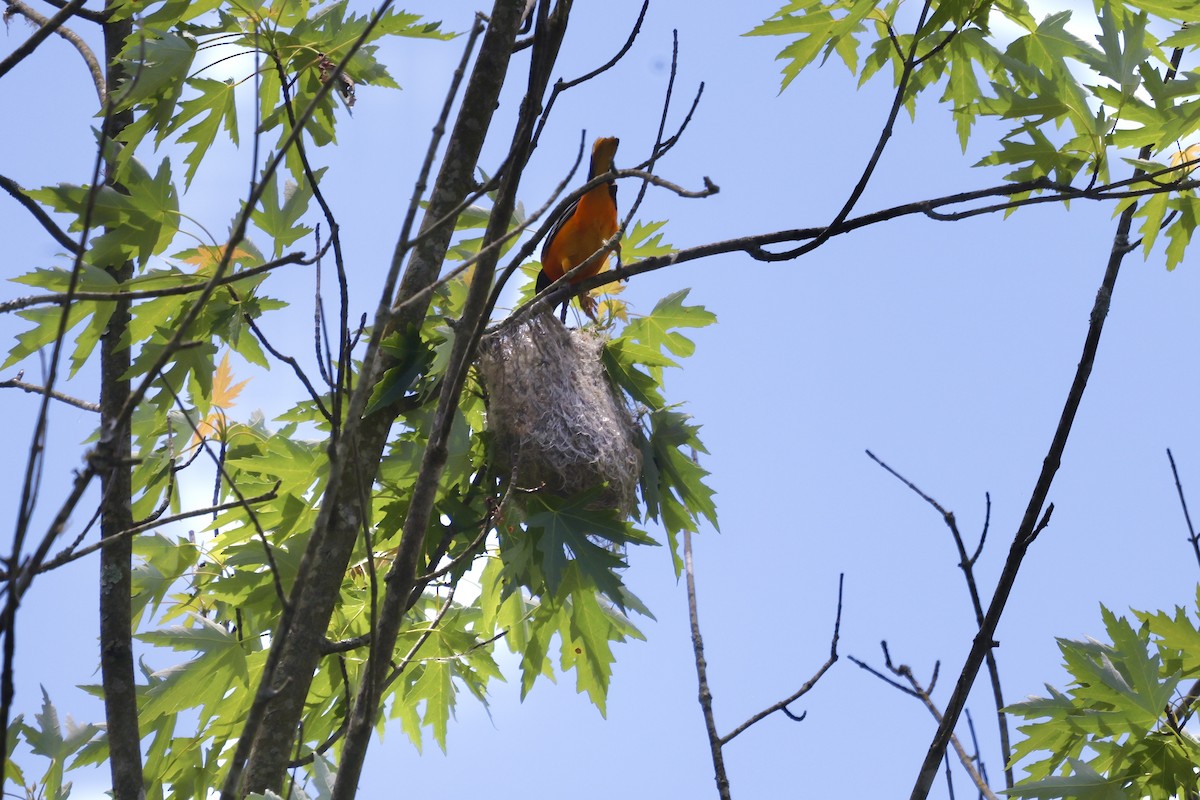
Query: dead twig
914,688
967,565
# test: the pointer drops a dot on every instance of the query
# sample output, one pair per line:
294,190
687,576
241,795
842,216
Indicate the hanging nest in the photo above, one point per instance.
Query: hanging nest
556,421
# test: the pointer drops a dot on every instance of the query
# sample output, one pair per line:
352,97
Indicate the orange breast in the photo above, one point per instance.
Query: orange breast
583,233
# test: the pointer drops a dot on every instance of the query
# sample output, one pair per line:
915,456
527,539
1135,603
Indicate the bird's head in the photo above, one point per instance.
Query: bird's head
604,150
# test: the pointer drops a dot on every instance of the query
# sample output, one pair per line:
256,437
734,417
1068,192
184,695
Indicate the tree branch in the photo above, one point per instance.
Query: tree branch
266,742
401,577
884,135
783,704
1028,529
561,86
915,689
967,565
1193,535
710,724
146,294
69,555
116,508
17,383
55,25
14,189
99,17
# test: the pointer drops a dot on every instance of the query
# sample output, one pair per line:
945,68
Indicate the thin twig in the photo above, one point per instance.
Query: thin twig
561,86
335,240
46,27
17,383
223,474
782,705
147,294
398,670
74,555
976,757
967,565
18,194
1193,536
710,724
915,689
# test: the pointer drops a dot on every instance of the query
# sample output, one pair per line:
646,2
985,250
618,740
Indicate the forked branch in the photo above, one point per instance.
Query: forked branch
715,740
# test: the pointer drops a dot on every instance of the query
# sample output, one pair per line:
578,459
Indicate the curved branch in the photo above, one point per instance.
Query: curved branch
561,86
897,103
783,704
54,25
18,194
99,17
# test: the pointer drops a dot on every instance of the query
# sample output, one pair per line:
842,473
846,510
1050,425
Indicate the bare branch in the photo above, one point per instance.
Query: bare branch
910,62
714,739
55,25
782,705
966,564
1193,536
561,86
1028,530
18,194
17,383
915,689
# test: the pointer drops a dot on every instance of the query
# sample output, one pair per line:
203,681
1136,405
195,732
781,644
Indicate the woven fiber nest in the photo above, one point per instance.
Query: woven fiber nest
555,419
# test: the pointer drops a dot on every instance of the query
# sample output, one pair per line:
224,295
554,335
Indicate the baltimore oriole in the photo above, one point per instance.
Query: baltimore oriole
583,228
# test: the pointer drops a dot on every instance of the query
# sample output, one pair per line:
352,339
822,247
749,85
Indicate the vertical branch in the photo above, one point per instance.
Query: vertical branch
967,565
710,725
266,742
116,515
1193,535
401,578
1030,526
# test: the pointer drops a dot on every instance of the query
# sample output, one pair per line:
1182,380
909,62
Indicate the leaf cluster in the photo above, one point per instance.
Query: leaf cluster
1061,107
1119,729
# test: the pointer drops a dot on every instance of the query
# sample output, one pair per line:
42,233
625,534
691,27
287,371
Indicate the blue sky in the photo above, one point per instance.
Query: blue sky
946,349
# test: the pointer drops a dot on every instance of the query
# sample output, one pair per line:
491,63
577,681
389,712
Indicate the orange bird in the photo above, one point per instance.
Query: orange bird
583,228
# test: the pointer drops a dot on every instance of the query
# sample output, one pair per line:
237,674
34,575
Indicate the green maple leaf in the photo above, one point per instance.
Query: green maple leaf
50,738
215,109
1084,783
281,219
562,527
1179,232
